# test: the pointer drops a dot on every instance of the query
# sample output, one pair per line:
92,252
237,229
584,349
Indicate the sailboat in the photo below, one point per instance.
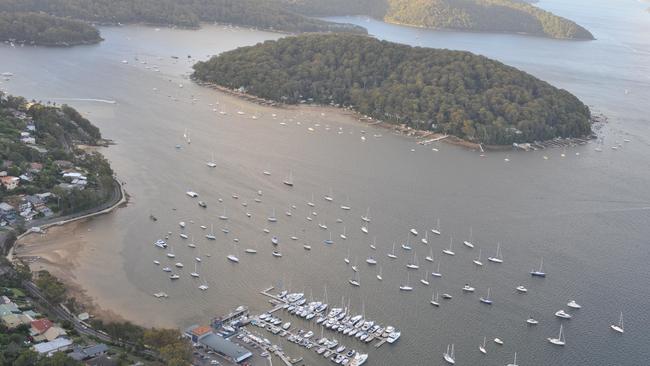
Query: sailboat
407,245
289,180
434,299
328,197
354,281
425,240
364,229
343,236
437,228
204,286
449,356
223,215
233,258
481,347
514,363
618,327
311,203
429,258
251,250
424,280
449,250
329,241
392,254
195,273
414,263
559,341
497,258
371,261
366,217
539,272
468,242
373,246
211,163
379,276
272,218
354,267
191,243
347,206
437,272
171,252
477,261
413,232
486,300
407,287
347,259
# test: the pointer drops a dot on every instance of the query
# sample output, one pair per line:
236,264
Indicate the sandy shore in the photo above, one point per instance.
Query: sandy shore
60,251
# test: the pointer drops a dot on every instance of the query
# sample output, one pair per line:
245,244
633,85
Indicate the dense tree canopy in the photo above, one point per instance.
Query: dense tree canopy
267,14
43,29
455,92
511,16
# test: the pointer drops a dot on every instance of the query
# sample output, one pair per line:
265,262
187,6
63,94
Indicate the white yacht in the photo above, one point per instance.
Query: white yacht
156,262
414,232
272,218
559,341
618,327
429,258
468,242
364,229
311,203
424,280
343,236
539,272
434,299
573,305
449,355
532,321
481,347
379,276
276,254
366,217
449,250
562,314
392,254
233,258
437,272
468,288
182,224
407,286
371,261
414,263
289,180
498,341
478,261
521,289
486,300
211,163
437,228
328,197
497,258
514,363
354,281
425,240
203,286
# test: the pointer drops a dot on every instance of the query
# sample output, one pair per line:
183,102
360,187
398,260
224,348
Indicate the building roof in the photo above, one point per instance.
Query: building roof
9,308
54,333
201,330
53,346
225,347
4,206
41,325
14,320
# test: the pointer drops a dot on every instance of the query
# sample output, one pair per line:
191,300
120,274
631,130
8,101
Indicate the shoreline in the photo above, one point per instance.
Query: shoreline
419,135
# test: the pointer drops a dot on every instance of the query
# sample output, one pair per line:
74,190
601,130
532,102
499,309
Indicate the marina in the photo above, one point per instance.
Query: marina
455,185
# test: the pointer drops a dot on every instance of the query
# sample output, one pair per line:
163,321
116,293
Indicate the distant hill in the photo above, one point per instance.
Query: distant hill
469,96
265,14
508,16
43,29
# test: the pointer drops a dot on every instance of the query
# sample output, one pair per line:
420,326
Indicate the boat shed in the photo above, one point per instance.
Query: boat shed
225,347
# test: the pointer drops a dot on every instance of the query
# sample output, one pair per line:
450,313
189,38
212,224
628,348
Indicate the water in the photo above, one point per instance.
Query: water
586,214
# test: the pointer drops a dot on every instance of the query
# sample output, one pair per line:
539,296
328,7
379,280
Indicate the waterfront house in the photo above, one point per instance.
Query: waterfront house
10,182
205,336
63,164
49,348
40,326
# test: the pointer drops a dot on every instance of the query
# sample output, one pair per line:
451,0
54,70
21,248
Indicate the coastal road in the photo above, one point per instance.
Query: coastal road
61,314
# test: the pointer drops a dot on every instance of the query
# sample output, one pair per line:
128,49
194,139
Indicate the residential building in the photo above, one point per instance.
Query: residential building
40,326
49,348
10,182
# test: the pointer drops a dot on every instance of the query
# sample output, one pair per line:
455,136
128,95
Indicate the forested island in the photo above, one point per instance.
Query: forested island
453,92
45,30
508,16
45,168
265,14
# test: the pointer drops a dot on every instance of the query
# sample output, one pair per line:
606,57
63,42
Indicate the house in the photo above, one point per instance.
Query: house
13,320
10,308
35,167
53,333
81,354
6,209
26,177
225,347
40,326
28,140
49,348
31,127
196,332
63,164
10,182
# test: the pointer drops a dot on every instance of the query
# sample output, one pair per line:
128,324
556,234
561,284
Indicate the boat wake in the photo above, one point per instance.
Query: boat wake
107,101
